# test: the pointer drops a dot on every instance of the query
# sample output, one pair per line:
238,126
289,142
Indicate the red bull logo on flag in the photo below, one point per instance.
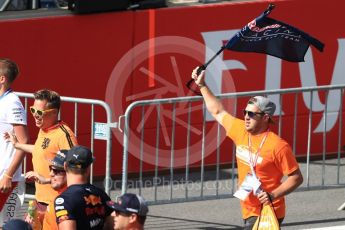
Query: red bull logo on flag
252,26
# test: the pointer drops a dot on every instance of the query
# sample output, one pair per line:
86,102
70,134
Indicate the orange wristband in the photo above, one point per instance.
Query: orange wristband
8,176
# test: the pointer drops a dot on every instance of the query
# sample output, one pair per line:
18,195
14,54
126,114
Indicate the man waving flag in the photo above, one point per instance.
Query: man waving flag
268,36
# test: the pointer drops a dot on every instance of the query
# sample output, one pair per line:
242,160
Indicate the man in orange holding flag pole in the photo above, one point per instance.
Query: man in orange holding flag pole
263,158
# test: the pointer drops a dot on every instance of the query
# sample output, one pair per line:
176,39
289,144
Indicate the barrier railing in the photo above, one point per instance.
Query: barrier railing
98,130
164,178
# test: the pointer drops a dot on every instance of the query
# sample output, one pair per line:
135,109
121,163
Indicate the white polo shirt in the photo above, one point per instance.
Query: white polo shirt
11,112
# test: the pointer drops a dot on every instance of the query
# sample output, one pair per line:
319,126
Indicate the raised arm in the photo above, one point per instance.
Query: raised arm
213,105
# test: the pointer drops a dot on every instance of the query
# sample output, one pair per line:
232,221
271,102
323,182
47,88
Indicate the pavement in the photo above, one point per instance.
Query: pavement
306,209
312,206
315,209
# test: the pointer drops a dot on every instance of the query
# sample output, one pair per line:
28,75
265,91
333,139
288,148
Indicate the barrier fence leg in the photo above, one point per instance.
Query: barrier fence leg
342,207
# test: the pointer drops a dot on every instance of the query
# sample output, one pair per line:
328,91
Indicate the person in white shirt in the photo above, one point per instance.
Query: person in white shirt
12,121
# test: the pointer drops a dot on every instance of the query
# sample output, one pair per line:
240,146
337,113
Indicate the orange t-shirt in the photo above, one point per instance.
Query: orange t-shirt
274,160
49,221
47,144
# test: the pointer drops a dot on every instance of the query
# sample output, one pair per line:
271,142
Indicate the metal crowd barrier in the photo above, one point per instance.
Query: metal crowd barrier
145,138
98,130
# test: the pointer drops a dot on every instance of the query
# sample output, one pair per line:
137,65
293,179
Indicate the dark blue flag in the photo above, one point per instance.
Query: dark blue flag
270,36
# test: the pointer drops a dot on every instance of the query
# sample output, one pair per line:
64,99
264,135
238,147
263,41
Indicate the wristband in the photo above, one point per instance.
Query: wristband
201,85
8,176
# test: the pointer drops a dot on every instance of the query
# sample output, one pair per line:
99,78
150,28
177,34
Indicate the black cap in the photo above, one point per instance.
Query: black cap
79,157
130,203
59,159
16,224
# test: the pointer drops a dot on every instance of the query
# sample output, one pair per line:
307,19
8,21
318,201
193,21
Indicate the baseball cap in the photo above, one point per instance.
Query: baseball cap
130,203
16,224
59,159
264,104
79,157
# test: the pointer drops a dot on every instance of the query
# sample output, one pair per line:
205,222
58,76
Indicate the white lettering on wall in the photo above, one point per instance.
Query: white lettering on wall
333,100
213,42
274,69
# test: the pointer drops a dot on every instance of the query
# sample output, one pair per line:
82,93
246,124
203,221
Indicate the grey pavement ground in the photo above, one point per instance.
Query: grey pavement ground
306,208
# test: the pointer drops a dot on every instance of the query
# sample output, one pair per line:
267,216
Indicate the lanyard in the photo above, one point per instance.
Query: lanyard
7,92
253,157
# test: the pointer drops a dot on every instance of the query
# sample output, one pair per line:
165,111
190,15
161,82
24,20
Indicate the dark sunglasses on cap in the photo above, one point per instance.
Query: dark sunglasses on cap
39,112
252,114
56,171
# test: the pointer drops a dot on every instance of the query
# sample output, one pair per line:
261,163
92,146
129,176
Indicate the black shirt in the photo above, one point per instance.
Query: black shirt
86,204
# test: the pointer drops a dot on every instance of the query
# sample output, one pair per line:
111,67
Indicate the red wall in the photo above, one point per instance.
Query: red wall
89,56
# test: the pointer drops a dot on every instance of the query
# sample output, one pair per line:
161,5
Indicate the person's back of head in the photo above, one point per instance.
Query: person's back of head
9,69
53,98
78,160
17,224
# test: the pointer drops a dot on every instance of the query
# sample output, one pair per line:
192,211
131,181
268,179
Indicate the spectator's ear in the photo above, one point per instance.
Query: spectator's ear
65,166
2,79
267,118
133,218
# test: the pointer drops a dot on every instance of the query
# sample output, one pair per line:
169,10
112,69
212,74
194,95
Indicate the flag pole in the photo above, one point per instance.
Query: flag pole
204,66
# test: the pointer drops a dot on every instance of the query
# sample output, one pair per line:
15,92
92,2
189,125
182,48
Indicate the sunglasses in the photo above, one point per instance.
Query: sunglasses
252,114
117,213
39,112
56,171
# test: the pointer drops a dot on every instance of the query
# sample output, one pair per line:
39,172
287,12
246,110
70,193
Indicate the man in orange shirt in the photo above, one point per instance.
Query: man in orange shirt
53,136
260,153
58,181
